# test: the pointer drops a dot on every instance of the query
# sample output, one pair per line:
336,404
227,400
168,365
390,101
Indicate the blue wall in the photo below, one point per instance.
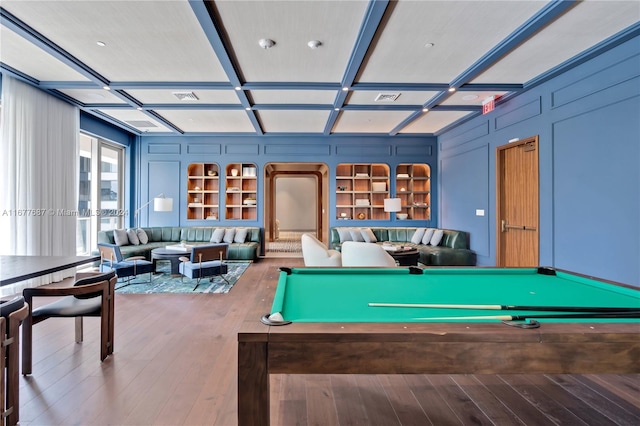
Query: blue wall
588,122
163,162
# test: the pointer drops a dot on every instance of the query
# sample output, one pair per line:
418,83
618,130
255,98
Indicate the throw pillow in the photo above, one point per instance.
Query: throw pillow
120,237
217,236
241,235
417,236
356,235
428,234
345,235
133,237
142,236
229,235
368,235
437,237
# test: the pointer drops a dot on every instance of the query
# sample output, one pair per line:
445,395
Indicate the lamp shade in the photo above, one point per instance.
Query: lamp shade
163,204
392,204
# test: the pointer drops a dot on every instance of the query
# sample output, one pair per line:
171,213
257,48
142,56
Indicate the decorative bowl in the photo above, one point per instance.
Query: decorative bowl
402,216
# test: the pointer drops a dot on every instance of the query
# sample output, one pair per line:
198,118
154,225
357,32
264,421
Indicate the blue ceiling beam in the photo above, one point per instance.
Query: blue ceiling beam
550,12
372,18
205,14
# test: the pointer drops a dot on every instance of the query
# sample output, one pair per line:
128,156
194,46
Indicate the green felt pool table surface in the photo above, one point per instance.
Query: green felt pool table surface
344,295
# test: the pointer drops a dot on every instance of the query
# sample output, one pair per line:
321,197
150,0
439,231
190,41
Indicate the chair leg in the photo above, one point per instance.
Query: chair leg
197,283
27,344
79,330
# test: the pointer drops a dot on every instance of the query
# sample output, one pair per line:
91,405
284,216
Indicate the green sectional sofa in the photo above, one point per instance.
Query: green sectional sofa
192,235
453,249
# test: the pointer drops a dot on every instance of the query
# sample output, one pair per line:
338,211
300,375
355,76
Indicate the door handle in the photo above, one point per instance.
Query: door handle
504,227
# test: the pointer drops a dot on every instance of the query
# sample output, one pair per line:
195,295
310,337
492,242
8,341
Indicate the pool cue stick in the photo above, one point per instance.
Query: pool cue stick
505,307
624,314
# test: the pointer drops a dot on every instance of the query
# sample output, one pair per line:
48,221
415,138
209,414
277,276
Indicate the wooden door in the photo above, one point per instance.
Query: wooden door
518,204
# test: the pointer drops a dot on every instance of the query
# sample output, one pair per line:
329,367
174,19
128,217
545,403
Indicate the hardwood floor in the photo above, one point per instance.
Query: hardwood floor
175,364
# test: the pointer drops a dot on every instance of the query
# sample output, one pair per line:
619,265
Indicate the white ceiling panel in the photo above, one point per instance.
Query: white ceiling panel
588,23
433,121
93,96
138,119
368,121
293,96
209,120
293,121
292,24
145,40
166,96
368,97
461,31
33,61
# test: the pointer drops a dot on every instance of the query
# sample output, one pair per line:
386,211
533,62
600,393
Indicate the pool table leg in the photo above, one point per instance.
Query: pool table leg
253,384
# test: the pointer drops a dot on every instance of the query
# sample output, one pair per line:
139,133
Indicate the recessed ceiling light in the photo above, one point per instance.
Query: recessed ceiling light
469,97
266,43
314,44
428,45
336,109
238,88
139,108
106,87
101,43
344,89
425,109
248,108
452,89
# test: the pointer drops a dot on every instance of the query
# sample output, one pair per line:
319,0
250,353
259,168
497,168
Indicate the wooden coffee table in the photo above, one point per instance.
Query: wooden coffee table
405,256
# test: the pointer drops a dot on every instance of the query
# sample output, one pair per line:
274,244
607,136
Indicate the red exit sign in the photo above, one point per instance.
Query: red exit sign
488,105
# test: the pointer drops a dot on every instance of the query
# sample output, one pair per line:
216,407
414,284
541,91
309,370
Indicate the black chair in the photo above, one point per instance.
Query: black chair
92,295
13,312
111,260
205,261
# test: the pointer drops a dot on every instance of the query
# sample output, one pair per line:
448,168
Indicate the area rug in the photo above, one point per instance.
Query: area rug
288,242
164,282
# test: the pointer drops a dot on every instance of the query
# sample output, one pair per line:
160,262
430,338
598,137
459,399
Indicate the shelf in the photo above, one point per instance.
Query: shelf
241,183
202,191
413,187
361,182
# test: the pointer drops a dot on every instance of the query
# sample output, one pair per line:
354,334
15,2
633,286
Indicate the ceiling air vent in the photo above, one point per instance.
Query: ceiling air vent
141,123
387,97
185,96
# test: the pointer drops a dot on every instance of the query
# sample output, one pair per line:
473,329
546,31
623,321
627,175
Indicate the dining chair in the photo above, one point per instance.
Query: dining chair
12,313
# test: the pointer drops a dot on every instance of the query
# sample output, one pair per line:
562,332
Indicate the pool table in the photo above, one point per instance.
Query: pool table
329,327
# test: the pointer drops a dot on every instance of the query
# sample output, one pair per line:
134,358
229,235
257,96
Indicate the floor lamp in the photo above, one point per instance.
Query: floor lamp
160,204
392,205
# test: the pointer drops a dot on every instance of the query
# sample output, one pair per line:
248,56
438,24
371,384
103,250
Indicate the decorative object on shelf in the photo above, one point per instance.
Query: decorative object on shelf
212,173
249,171
342,188
379,186
212,217
343,215
362,216
403,189
362,202
234,172
403,175
362,175
196,200
250,201
402,216
160,204
197,188
233,189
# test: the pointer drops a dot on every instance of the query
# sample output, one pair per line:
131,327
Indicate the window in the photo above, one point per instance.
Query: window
100,201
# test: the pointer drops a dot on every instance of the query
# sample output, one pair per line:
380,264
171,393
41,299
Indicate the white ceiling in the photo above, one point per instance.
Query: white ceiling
156,48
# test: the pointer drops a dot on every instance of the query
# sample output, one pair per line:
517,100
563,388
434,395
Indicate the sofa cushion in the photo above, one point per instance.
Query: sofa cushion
218,235
428,234
241,235
437,237
120,237
368,236
345,234
417,236
356,235
132,235
229,235
142,236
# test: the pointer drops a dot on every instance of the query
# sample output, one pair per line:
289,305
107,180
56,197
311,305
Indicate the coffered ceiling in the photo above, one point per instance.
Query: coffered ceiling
378,67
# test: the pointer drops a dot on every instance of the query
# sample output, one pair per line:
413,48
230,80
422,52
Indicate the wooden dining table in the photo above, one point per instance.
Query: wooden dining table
14,269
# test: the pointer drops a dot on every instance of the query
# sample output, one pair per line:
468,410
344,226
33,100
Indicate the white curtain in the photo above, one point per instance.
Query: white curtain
39,176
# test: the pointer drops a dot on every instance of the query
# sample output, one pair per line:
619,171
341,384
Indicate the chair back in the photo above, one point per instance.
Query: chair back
209,252
109,253
366,254
107,276
11,306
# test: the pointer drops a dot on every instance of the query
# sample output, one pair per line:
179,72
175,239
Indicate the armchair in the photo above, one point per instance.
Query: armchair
111,260
366,254
205,261
91,295
315,253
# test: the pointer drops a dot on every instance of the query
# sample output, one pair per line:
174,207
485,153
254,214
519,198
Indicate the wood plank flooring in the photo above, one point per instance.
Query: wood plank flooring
175,364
